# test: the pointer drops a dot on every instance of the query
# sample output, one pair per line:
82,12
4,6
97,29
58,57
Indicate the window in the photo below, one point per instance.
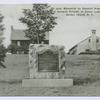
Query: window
89,40
97,40
87,50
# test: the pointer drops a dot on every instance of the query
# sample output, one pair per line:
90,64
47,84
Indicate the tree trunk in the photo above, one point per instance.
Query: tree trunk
38,38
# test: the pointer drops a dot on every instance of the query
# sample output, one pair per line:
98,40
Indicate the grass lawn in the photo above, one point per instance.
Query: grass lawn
85,70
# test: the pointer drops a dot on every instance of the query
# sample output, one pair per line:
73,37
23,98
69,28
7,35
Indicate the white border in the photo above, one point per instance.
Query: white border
49,98
50,1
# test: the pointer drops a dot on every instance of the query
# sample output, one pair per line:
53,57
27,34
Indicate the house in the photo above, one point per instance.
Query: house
19,39
90,45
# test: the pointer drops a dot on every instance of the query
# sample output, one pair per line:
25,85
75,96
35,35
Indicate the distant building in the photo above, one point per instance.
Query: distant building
88,46
18,38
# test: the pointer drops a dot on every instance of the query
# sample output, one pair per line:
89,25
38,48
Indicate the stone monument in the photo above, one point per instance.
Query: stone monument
47,66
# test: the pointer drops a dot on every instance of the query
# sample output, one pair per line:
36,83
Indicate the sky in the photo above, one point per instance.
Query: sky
69,30
11,15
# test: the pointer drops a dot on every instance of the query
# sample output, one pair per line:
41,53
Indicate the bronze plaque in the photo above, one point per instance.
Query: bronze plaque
48,62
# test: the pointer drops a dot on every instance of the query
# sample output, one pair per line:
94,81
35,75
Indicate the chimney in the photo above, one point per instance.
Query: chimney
93,40
93,31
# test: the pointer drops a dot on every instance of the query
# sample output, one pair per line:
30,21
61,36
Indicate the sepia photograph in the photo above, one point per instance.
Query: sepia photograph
49,49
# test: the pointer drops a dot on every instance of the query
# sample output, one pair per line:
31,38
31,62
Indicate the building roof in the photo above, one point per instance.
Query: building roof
80,43
18,34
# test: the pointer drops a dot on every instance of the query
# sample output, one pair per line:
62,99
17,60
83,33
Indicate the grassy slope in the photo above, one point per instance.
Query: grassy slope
17,68
83,69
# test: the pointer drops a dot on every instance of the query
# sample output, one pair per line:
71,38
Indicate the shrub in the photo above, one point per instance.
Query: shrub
14,49
3,51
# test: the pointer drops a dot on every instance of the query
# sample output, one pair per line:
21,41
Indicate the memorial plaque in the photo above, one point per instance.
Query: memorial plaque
48,62
46,67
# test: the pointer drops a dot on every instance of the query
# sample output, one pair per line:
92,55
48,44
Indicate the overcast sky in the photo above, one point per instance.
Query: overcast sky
11,15
68,32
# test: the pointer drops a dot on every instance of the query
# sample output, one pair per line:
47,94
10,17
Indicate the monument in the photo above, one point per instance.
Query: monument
47,67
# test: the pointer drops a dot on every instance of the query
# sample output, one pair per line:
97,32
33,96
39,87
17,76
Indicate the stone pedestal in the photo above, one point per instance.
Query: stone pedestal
46,66
47,83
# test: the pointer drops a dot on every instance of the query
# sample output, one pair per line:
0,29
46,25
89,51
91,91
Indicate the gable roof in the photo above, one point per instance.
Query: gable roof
17,34
81,42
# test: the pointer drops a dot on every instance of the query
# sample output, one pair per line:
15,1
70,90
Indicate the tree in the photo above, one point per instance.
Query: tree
13,48
2,48
1,28
39,21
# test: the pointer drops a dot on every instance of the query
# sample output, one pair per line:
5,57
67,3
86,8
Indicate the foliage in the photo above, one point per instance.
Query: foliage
14,49
39,21
2,48
89,52
1,25
3,51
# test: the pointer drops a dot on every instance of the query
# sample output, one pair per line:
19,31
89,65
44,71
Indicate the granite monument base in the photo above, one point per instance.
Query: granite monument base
47,65
47,82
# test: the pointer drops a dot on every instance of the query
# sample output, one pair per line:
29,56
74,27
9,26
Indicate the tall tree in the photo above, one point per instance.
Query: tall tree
1,28
39,20
2,48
